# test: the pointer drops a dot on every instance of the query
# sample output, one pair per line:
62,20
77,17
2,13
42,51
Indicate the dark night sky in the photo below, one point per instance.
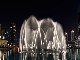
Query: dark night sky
65,12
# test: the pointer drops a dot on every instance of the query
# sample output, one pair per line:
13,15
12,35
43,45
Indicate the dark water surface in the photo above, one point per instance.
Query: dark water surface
14,55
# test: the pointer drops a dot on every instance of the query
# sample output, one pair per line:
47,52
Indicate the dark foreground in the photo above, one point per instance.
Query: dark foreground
72,54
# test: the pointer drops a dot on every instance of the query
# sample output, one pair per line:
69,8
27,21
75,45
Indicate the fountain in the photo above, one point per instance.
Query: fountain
42,37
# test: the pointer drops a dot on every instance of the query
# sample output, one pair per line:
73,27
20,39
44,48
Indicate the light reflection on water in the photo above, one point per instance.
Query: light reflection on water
73,54
8,55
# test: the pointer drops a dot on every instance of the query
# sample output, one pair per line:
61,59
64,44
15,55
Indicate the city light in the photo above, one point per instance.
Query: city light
66,33
7,41
5,33
72,35
72,31
11,27
53,35
13,45
32,51
14,29
10,45
3,37
0,37
40,53
14,26
79,26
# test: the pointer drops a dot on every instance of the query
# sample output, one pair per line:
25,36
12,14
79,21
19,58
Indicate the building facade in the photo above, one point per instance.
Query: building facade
12,33
3,41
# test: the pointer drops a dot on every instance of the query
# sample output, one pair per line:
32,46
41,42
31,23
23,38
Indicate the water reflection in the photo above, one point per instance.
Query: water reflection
72,54
8,55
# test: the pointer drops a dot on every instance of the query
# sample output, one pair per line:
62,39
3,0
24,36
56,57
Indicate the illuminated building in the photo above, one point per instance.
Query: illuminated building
3,41
7,35
79,28
2,32
66,36
79,31
12,33
72,35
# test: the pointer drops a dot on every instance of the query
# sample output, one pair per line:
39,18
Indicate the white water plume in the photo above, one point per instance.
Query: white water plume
42,34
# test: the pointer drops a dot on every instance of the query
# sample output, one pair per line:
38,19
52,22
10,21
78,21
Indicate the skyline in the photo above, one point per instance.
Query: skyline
44,39
65,12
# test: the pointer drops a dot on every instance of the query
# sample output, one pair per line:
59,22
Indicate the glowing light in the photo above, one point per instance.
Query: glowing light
79,26
36,47
40,53
49,53
14,29
10,45
46,41
0,36
0,55
65,33
31,47
32,51
41,42
11,27
3,37
3,57
72,31
13,45
14,26
5,33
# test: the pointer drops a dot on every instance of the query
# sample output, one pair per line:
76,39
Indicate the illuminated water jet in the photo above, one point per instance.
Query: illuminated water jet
36,36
